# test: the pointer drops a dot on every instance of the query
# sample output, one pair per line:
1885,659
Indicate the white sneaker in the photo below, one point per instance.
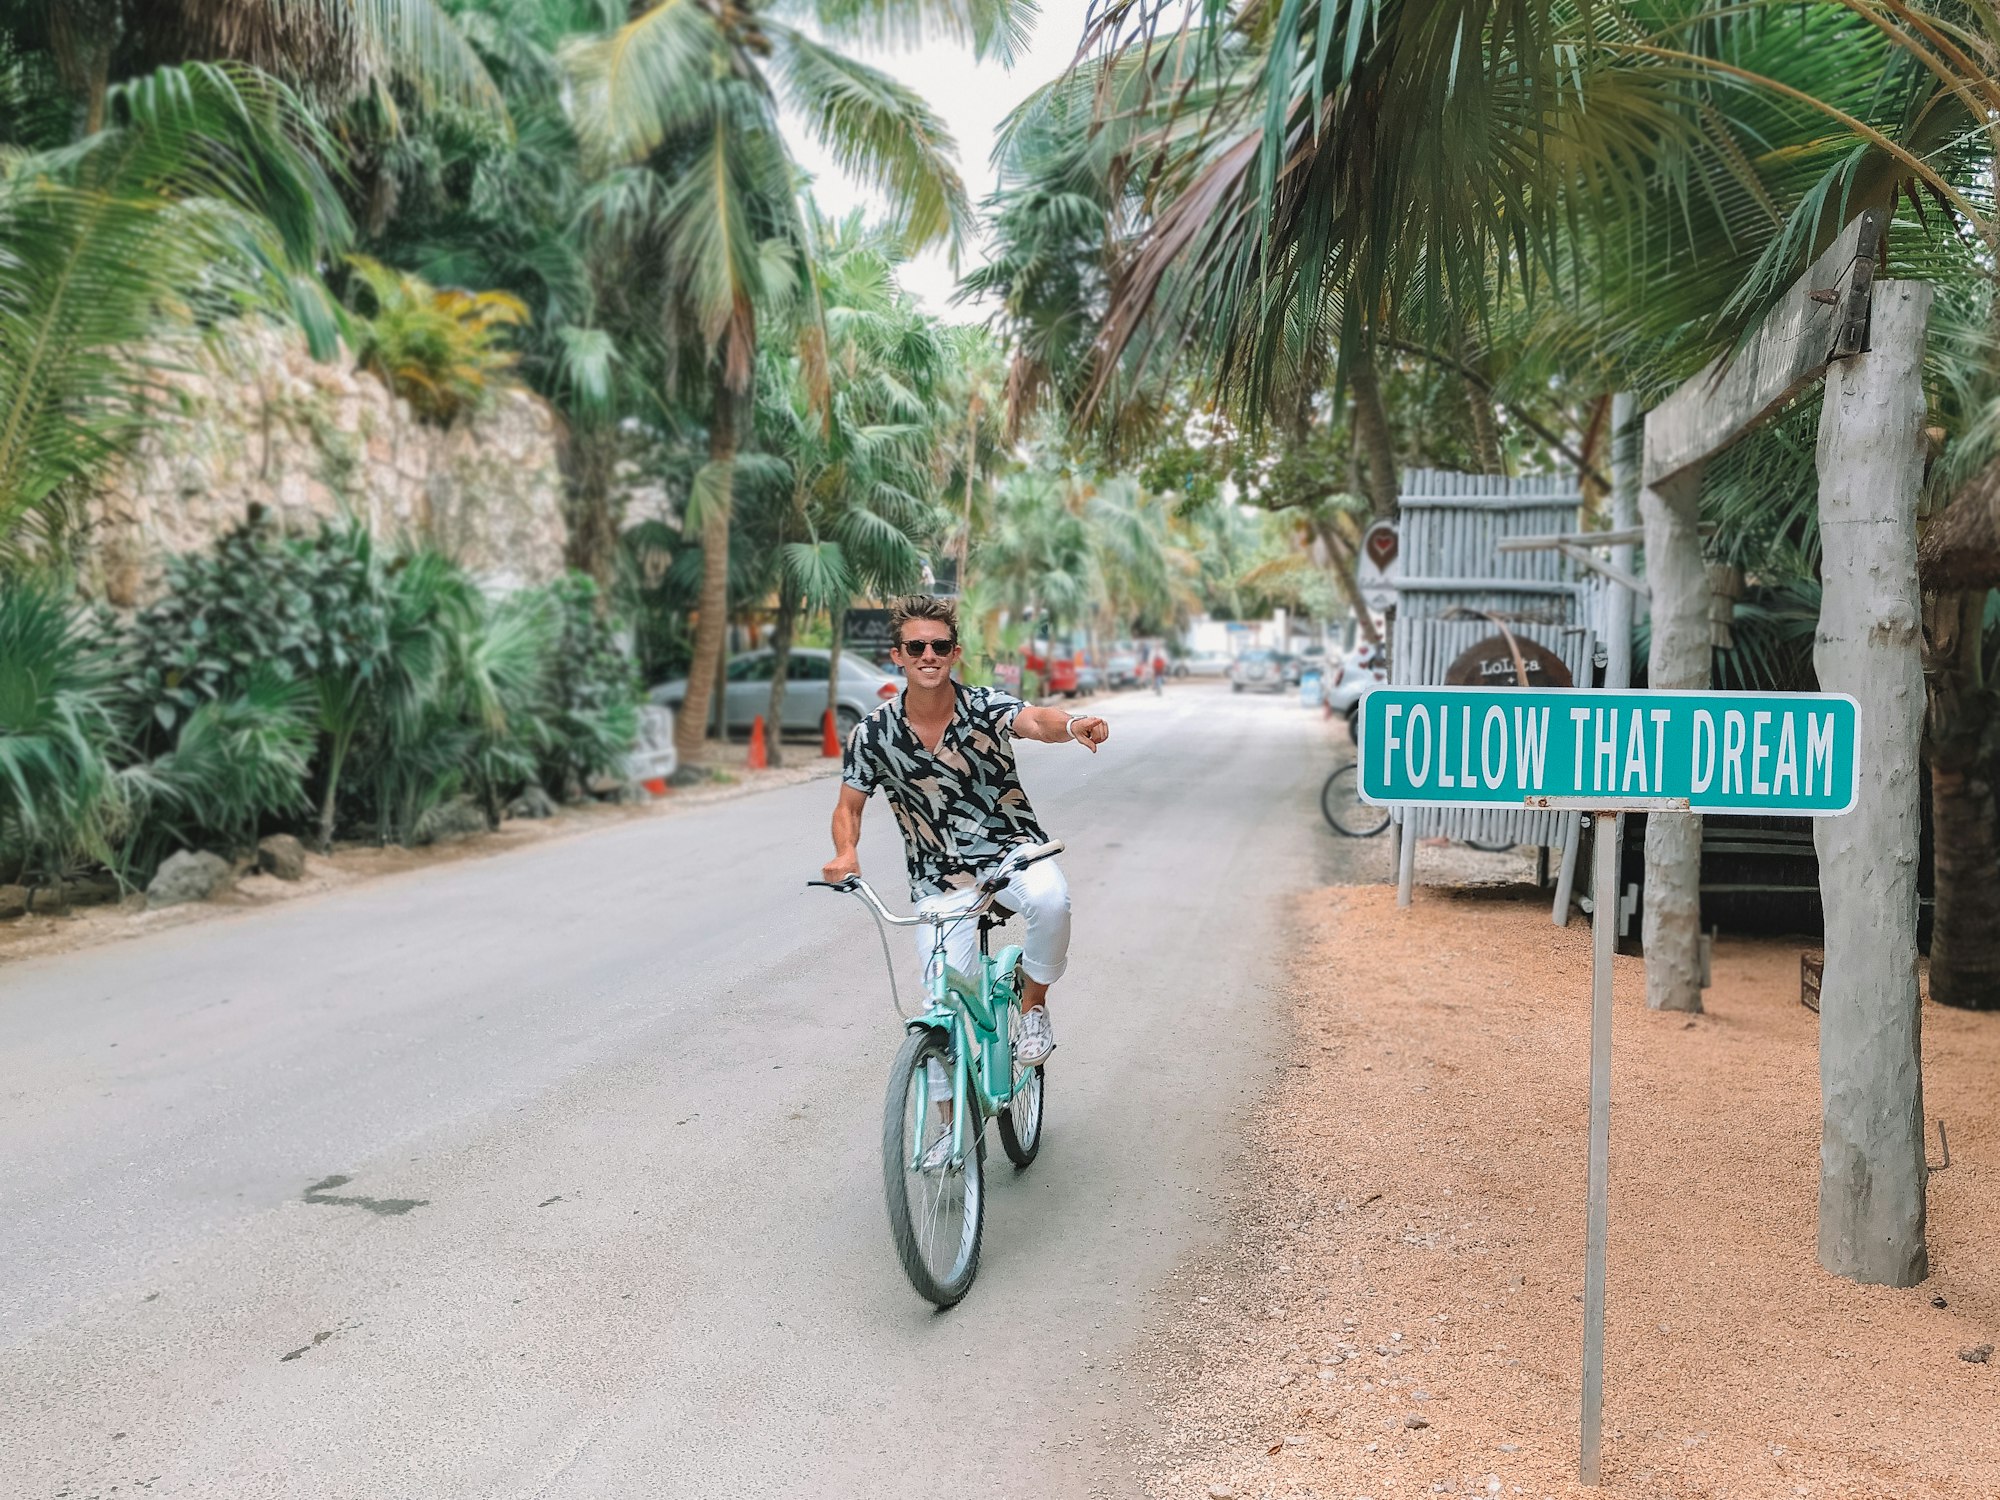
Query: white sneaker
1036,1038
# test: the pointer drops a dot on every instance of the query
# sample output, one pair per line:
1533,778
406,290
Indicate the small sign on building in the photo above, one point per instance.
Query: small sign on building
1378,570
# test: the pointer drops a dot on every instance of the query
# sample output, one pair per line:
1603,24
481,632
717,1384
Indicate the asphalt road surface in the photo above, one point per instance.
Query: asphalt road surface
556,1174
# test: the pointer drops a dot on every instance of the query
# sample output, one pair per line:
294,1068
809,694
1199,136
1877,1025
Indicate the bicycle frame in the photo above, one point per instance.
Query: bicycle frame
975,1010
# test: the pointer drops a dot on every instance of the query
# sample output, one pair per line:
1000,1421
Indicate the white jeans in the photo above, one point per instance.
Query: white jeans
1039,893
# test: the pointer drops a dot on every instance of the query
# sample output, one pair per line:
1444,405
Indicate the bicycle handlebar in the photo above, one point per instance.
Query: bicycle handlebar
989,887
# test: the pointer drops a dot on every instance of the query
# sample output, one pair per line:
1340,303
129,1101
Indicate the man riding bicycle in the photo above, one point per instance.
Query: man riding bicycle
941,752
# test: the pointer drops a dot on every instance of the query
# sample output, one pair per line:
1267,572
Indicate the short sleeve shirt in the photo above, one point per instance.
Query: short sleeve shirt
961,807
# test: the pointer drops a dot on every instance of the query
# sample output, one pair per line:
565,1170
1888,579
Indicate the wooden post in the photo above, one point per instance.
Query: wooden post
1871,466
1671,509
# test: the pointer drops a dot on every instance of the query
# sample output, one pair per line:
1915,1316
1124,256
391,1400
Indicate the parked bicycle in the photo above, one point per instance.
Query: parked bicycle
956,1070
1341,805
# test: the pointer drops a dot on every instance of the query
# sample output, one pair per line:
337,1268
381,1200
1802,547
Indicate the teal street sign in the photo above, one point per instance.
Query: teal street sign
1794,753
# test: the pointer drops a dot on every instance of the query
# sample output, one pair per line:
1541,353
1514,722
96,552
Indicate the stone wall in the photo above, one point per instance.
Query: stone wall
253,419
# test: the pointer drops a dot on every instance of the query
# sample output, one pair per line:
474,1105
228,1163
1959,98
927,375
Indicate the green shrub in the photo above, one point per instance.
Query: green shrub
59,799
590,717
254,602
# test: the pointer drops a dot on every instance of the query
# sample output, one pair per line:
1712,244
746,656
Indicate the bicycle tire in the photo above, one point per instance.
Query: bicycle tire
946,1288
1485,848
1345,813
1022,1140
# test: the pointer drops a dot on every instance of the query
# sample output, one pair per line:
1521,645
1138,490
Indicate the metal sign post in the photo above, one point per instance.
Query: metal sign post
1603,752
1603,942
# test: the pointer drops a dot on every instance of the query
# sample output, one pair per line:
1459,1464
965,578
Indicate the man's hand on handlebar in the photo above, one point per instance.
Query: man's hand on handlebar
841,867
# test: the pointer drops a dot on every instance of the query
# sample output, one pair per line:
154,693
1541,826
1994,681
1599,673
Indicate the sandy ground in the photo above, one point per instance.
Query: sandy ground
1399,1308
37,935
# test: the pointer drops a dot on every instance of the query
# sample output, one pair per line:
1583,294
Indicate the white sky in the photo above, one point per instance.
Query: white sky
972,98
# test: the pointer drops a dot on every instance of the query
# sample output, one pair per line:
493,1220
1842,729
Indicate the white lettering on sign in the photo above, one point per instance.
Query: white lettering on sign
1788,758
1660,718
1733,729
1604,764
1490,772
1465,747
1579,717
1759,753
1444,746
1635,755
1419,772
1704,750
1531,748
1819,750
1390,742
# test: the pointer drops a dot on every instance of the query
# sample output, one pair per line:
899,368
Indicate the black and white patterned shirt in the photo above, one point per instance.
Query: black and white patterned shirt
961,807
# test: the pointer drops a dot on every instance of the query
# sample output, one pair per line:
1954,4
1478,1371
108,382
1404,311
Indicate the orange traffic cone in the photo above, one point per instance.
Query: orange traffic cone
758,759
829,737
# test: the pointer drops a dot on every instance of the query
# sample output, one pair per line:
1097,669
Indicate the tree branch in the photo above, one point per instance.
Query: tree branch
1584,467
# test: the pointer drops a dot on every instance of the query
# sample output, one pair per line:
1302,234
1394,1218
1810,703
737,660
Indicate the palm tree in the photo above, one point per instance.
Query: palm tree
203,188
682,103
333,49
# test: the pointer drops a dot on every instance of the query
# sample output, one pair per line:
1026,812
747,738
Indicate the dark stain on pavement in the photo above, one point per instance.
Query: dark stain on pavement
317,1340
547,1201
318,1193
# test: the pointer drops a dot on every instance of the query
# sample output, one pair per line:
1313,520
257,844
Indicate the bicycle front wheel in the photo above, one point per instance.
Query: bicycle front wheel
1340,802
937,1204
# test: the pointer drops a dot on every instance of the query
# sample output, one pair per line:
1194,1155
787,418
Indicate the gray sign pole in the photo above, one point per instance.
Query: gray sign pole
1604,937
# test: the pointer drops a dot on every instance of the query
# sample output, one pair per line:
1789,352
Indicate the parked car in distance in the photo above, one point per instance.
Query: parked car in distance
1258,672
1089,676
1121,668
864,687
1202,664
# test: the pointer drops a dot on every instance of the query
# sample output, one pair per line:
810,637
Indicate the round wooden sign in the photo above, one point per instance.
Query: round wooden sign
1490,663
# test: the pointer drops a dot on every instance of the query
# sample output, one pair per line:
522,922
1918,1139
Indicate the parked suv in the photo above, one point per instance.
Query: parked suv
1258,672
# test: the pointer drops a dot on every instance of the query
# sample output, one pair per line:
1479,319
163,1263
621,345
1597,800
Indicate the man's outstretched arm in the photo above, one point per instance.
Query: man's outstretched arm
1054,727
846,859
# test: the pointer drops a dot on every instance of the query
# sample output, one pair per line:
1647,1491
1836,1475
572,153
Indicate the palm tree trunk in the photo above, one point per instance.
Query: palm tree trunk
713,620
1479,403
1371,425
587,457
1343,574
839,619
965,535
781,656
1965,934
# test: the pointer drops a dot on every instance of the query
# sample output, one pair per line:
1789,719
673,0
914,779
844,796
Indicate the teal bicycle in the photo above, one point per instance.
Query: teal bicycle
955,1071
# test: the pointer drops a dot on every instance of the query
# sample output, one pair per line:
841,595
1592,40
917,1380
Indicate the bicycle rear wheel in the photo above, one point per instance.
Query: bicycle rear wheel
936,1214
1340,803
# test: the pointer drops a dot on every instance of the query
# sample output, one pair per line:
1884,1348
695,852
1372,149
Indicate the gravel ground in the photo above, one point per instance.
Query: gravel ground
1398,1310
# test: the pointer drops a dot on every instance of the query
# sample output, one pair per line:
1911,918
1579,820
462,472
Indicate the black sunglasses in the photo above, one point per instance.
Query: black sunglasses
944,647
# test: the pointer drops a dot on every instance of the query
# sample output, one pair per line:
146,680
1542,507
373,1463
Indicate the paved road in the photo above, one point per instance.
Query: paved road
554,1175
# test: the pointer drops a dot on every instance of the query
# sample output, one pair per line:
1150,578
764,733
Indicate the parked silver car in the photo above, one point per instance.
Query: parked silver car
864,687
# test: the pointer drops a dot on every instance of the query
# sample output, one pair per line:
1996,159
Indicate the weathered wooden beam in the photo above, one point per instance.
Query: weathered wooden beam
1824,316
1583,557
